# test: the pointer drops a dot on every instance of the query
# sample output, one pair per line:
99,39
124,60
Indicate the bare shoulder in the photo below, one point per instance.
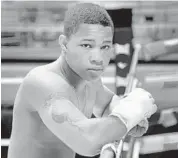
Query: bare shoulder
43,78
40,85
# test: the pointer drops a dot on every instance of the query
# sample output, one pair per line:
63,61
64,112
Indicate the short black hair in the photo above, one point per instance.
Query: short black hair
85,13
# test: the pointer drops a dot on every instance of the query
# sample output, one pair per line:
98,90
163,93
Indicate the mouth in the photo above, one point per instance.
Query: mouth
96,69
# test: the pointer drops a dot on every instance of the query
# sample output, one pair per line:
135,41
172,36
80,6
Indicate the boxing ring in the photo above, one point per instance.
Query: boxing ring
133,147
144,145
158,79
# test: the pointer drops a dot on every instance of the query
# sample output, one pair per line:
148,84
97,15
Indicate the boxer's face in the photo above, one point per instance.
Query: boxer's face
89,50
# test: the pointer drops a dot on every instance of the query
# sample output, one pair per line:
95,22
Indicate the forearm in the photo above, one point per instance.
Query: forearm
105,130
96,132
84,136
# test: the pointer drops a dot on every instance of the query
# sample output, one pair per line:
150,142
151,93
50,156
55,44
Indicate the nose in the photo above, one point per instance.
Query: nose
96,58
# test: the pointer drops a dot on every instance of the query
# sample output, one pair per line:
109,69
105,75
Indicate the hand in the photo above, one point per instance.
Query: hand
139,129
109,150
135,107
107,153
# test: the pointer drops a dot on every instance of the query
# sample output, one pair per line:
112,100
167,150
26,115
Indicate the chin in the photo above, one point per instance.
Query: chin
93,78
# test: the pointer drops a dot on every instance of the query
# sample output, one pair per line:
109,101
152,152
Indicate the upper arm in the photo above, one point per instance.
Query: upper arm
61,117
103,99
57,112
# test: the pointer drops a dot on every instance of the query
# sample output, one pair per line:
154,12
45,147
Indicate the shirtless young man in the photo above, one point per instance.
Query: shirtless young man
54,104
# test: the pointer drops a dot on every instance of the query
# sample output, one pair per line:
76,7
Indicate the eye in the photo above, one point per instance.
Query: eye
106,47
86,45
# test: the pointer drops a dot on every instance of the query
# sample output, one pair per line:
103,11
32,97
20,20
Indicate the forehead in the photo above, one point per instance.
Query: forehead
94,31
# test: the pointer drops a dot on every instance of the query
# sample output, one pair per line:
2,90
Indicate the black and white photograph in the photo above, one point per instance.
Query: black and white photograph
89,79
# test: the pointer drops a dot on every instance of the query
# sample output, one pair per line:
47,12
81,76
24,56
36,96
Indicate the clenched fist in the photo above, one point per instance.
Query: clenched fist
139,129
135,107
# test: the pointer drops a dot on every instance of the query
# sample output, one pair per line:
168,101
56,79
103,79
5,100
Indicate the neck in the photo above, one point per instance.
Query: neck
72,77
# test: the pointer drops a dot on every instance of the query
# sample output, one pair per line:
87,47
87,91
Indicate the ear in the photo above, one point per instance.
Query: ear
63,42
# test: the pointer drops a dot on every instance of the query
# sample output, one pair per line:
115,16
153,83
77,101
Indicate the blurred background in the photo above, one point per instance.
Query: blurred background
29,38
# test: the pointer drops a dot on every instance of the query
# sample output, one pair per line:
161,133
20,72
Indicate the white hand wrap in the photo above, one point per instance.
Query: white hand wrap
135,107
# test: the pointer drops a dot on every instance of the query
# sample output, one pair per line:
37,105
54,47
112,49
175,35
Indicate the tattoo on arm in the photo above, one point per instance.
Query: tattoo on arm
52,97
64,118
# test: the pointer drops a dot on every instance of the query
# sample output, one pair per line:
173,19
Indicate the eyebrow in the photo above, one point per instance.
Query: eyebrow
92,40
107,41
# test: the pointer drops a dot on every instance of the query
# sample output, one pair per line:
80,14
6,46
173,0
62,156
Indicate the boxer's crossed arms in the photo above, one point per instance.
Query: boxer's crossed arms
63,110
87,136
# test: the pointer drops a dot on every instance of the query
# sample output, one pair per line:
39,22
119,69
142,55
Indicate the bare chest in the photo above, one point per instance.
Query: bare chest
84,100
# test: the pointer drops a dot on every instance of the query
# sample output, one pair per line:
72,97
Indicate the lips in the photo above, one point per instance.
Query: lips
96,69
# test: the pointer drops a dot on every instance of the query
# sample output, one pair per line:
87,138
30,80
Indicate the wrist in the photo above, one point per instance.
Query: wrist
129,116
114,102
121,122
